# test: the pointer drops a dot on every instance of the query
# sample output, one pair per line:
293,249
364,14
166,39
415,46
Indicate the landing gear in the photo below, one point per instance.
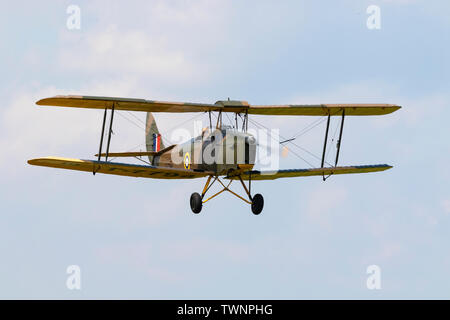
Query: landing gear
196,203
257,204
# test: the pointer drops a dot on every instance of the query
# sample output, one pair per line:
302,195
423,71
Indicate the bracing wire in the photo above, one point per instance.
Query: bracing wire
332,140
229,120
296,145
166,140
309,127
137,118
131,121
163,133
296,154
314,124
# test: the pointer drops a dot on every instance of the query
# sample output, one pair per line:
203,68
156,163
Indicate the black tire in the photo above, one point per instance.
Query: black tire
257,204
196,203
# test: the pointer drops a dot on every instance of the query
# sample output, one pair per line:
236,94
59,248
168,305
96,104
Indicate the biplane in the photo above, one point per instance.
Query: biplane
188,161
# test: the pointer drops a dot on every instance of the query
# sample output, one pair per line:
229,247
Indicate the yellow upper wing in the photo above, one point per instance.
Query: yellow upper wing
125,104
325,109
290,173
121,169
91,102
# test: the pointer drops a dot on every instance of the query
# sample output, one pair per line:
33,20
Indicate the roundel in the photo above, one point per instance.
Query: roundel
187,161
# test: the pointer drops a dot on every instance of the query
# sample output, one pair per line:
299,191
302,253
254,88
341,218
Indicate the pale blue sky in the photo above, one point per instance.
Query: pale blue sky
137,238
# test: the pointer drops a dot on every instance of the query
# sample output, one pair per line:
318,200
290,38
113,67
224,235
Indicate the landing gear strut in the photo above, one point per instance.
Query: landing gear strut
256,202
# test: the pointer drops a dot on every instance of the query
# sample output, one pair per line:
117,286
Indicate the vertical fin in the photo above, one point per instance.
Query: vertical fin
153,140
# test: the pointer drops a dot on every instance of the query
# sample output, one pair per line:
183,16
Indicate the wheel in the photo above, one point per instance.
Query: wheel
196,203
257,204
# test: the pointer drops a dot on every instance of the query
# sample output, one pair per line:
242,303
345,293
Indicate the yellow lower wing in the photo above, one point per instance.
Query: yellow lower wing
121,169
271,175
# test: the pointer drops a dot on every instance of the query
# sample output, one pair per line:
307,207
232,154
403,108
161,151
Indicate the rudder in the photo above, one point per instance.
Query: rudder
153,140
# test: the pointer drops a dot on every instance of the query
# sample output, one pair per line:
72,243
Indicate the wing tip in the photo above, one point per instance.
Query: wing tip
396,107
38,161
45,101
380,167
41,102
389,108
50,101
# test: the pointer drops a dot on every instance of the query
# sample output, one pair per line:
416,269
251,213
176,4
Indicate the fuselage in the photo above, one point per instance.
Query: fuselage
222,151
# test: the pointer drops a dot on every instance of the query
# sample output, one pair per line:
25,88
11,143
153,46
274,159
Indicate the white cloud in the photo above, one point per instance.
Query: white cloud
160,41
29,131
129,52
323,201
413,110
400,1
446,205
140,258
